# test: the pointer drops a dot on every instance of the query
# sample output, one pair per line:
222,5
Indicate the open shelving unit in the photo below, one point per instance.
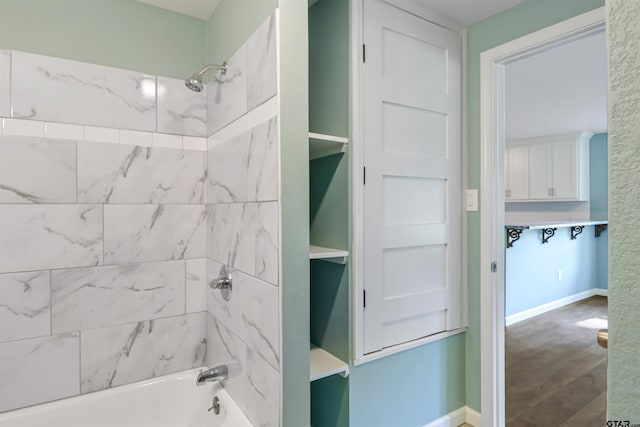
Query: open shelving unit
337,256
321,145
324,364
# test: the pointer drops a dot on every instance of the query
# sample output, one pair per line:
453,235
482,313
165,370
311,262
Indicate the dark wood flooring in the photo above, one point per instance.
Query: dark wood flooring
555,371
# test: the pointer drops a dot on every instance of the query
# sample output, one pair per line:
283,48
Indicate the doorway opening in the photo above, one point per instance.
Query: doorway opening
494,241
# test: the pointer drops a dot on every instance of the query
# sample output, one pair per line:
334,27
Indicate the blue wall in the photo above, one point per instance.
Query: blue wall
409,389
532,268
600,203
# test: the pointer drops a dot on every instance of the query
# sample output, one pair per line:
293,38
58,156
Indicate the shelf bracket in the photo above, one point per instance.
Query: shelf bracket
547,233
599,229
576,230
513,235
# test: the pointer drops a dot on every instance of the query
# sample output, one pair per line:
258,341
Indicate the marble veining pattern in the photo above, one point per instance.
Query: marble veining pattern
124,174
39,370
140,233
231,237
5,83
37,237
259,311
227,170
267,242
225,312
262,177
180,110
36,170
261,63
123,354
225,348
60,90
196,284
96,297
25,305
263,392
227,94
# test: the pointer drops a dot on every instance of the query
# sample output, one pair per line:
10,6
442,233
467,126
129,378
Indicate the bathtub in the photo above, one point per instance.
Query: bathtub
168,401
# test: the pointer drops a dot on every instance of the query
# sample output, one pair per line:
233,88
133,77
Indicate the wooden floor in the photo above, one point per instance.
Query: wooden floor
555,371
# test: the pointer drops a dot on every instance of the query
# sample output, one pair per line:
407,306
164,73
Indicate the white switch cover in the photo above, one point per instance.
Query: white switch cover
472,200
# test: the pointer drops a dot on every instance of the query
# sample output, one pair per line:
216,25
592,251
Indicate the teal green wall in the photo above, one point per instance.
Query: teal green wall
118,33
411,388
329,203
599,203
526,18
232,22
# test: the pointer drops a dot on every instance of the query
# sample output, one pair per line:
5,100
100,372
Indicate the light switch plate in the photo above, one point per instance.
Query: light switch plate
472,200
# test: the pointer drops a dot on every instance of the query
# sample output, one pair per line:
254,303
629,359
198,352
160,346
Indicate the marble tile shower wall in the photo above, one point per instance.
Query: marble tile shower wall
102,245
243,227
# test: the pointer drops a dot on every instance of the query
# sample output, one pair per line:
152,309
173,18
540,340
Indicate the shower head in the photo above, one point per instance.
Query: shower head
195,82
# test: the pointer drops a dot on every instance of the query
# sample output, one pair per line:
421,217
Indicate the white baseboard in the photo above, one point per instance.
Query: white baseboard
456,418
535,311
473,417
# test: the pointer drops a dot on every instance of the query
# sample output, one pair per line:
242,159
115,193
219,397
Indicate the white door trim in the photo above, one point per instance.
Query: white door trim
492,63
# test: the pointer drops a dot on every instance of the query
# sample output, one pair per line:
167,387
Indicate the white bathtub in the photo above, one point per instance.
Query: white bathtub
169,401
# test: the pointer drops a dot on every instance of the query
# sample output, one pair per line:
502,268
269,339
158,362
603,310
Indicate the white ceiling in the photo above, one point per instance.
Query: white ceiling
463,12
467,12
197,8
560,90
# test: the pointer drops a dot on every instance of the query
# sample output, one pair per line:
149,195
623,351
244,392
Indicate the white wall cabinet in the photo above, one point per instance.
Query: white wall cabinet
516,162
557,169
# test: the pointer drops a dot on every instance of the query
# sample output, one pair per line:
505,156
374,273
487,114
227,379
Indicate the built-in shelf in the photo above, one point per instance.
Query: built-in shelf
326,145
549,229
324,364
337,256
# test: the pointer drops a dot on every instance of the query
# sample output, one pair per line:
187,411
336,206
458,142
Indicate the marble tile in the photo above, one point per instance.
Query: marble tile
60,90
227,166
25,305
5,83
141,233
259,312
262,177
267,242
134,352
196,284
39,370
196,143
261,63
227,94
225,312
37,237
96,297
263,392
231,235
124,174
225,348
181,111
35,170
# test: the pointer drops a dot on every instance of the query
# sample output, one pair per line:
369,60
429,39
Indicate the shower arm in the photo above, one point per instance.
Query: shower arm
206,68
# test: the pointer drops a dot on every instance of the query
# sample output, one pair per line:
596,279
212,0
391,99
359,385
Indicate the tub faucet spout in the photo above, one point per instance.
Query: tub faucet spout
217,373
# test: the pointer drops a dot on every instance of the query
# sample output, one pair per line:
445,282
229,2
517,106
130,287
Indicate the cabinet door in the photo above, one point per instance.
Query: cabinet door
540,172
518,173
565,173
412,195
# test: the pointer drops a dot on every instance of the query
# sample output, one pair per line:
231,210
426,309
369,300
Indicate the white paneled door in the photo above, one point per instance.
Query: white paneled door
412,190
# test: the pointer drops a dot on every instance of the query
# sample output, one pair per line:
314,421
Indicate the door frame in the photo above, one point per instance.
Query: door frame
492,234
